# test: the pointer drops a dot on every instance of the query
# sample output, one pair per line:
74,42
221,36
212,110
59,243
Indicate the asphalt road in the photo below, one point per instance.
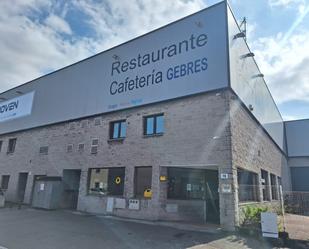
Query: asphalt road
38,229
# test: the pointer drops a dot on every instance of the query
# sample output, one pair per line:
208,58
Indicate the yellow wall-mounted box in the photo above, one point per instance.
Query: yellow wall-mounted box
163,178
148,193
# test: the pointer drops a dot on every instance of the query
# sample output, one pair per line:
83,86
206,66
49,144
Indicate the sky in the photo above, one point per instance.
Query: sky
40,36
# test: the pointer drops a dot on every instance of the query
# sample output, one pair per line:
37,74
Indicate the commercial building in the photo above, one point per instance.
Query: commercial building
177,124
298,153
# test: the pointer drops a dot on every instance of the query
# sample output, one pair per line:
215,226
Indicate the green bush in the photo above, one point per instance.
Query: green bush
252,215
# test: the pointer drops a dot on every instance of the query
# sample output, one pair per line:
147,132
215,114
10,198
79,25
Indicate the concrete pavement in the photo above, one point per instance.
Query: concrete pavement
28,228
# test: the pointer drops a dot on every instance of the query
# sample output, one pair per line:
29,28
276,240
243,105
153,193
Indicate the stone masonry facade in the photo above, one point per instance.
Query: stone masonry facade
210,130
253,150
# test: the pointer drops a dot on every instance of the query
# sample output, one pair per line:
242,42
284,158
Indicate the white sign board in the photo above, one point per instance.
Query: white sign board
42,186
269,224
189,56
134,204
226,188
16,107
184,58
224,176
110,204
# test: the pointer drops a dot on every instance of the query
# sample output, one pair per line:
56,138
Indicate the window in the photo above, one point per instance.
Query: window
143,181
44,150
106,181
81,147
274,189
0,145
70,148
265,185
247,185
97,121
5,181
12,145
118,129
186,184
94,146
154,124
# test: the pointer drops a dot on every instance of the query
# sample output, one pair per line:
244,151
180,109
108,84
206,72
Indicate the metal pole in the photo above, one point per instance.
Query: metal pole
282,206
205,204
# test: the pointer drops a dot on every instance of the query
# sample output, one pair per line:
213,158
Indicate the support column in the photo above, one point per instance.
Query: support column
129,182
28,190
156,191
228,192
260,187
83,184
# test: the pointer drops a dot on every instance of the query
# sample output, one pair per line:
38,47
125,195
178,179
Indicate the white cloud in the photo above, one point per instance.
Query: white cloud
284,57
300,5
58,24
116,20
29,48
32,43
285,3
286,66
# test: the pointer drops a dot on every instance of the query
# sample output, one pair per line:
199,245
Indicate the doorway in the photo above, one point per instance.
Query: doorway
70,180
196,193
21,186
212,196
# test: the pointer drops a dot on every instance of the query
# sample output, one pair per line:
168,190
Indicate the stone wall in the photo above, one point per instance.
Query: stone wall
197,134
253,149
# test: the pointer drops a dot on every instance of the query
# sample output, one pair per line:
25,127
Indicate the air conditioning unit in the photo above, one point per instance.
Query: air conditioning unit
134,204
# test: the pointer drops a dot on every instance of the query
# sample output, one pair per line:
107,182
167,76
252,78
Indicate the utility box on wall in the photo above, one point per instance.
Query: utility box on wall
134,204
47,192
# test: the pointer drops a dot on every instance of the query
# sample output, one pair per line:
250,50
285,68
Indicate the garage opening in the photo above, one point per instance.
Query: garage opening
70,180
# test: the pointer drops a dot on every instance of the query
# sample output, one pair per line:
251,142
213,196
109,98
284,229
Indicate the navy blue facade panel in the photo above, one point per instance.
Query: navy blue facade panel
297,137
300,178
